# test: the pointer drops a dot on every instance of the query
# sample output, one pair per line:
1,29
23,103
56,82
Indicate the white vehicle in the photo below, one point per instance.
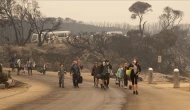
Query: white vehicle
115,33
34,38
60,35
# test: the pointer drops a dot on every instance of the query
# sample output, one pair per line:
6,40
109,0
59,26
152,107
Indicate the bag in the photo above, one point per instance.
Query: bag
128,72
116,81
59,73
80,79
41,70
92,74
130,87
11,65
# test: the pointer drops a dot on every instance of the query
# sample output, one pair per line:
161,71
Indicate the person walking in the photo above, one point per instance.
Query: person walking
103,70
134,75
125,76
120,75
12,62
75,72
44,68
96,73
29,65
108,73
61,75
18,66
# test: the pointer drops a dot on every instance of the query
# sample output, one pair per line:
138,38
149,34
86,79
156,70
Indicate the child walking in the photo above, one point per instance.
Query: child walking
120,75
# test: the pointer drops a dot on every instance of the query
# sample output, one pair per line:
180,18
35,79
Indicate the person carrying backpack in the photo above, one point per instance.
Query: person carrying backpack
134,75
61,74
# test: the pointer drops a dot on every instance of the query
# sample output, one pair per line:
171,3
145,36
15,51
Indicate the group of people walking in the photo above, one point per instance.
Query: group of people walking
102,72
17,63
127,75
75,72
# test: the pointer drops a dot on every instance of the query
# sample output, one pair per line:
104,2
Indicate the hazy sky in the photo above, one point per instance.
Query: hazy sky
106,10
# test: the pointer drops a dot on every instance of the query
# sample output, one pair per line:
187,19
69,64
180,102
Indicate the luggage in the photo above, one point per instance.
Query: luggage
117,81
80,79
92,74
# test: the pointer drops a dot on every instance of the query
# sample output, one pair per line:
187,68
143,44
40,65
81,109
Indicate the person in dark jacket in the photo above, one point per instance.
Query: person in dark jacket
134,75
126,77
29,64
13,62
109,71
96,72
61,74
75,71
1,69
103,70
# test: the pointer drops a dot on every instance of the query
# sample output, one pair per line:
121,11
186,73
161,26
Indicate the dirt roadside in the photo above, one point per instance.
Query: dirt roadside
14,96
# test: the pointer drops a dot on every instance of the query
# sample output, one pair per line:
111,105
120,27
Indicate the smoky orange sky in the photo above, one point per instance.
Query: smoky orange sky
110,11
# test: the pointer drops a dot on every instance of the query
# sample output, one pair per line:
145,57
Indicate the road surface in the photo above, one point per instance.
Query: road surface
87,97
153,97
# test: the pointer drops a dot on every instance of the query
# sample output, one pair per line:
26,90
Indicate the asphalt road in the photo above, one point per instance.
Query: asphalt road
152,97
87,97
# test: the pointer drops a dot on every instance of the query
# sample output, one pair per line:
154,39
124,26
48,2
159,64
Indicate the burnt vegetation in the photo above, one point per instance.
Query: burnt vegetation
167,38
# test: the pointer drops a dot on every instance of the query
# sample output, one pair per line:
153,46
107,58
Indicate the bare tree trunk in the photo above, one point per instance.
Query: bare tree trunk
29,36
39,39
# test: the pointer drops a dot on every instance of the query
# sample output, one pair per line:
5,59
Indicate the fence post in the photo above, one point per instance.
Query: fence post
176,78
150,76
